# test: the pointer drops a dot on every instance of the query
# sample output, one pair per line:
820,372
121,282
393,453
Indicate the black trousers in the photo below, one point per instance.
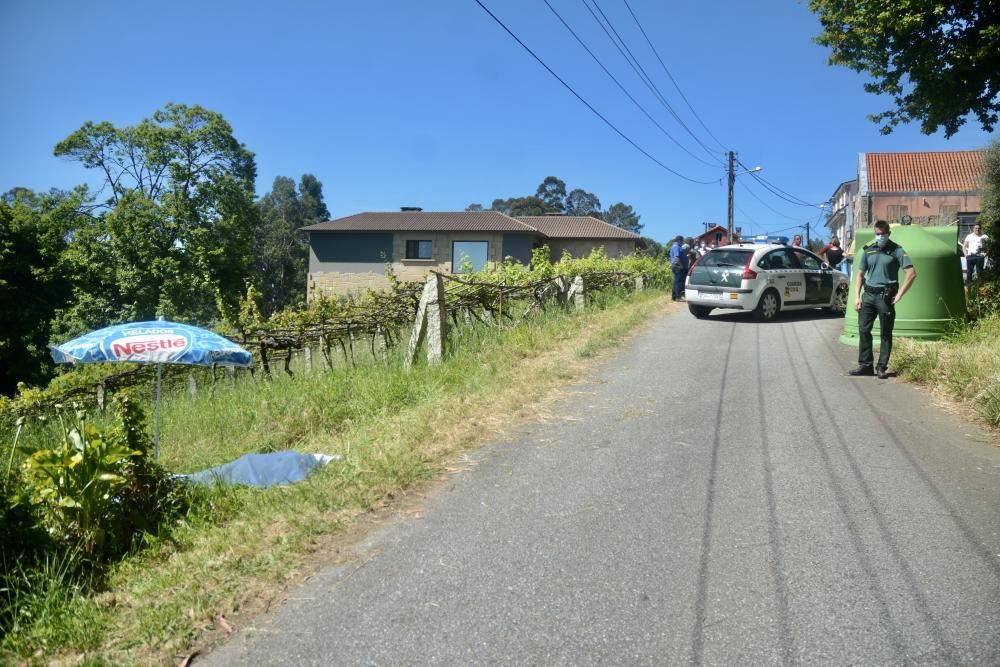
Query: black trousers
974,264
679,276
876,305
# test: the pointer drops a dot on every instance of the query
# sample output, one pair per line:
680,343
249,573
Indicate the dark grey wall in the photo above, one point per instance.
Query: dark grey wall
326,250
518,246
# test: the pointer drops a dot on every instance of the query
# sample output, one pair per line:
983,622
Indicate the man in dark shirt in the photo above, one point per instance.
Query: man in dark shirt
679,263
877,273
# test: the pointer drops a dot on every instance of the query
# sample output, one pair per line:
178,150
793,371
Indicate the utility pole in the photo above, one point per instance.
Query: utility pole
732,181
808,240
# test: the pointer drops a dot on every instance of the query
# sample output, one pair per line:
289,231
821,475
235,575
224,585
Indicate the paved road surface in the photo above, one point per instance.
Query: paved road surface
718,494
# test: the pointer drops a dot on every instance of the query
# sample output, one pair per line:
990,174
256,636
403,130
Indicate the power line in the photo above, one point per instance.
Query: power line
633,62
585,103
767,206
779,193
671,76
749,220
622,88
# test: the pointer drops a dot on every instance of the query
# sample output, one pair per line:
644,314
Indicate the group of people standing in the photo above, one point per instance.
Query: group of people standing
683,254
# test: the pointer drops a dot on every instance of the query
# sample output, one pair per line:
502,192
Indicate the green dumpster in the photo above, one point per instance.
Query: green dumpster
937,297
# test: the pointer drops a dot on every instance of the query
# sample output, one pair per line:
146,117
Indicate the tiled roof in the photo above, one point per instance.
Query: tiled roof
947,171
556,226
576,227
420,221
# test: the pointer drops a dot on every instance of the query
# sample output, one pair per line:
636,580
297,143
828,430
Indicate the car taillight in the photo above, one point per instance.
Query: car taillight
694,264
748,273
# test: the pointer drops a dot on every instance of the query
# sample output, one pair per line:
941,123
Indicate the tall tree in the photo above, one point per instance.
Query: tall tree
622,215
34,280
989,218
311,195
552,192
474,207
518,206
281,253
581,202
938,60
175,232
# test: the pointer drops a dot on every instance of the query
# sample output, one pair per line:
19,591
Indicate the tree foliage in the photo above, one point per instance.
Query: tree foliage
174,232
520,206
939,61
622,215
281,253
552,192
34,279
551,197
581,202
989,216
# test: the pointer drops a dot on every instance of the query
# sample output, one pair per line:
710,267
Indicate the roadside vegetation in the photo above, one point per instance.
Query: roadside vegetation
195,561
965,365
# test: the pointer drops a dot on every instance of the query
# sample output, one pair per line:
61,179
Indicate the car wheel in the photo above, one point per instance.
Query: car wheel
701,312
839,304
768,307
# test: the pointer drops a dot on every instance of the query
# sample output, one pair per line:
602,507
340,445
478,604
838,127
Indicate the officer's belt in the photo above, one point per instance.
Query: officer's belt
881,290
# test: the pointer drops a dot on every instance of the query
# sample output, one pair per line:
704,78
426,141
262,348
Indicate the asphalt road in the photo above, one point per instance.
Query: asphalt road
718,493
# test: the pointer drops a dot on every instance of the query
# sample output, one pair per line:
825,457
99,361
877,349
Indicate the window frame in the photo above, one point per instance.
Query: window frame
454,264
417,245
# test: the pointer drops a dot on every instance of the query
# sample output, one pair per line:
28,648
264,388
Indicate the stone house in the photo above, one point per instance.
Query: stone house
841,220
929,188
716,234
350,254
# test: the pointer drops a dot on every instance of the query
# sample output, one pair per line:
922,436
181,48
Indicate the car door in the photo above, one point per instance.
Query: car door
785,275
819,281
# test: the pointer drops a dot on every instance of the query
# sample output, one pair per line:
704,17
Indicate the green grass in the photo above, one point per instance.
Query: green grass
236,549
964,366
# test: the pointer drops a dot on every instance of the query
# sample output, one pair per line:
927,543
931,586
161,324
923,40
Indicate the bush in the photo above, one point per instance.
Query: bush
96,489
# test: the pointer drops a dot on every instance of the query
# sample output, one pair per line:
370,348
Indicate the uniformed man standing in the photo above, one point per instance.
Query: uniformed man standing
876,272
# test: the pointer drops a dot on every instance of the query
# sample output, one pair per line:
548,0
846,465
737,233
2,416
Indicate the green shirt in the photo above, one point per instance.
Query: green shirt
881,267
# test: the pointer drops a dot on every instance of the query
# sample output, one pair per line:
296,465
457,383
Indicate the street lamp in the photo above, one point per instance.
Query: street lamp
732,182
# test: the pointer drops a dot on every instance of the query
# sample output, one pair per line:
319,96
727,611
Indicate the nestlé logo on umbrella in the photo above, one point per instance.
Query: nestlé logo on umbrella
160,345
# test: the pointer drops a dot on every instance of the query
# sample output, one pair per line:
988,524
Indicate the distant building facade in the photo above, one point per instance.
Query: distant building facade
350,255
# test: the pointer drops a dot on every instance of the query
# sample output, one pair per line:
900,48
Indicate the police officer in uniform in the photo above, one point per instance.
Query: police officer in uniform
877,273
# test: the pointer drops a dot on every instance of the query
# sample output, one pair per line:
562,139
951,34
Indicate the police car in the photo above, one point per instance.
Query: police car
765,279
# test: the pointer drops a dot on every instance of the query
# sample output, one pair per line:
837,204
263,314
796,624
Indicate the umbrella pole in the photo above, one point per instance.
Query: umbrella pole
156,432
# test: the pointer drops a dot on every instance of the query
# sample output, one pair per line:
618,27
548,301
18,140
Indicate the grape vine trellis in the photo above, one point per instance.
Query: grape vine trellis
500,297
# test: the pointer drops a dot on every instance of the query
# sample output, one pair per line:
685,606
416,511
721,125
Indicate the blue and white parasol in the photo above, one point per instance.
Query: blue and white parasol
158,342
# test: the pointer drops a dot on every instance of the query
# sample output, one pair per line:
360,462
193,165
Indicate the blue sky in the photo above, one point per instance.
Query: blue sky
405,103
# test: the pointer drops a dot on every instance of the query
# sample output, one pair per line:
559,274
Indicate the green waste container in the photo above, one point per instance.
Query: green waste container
937,297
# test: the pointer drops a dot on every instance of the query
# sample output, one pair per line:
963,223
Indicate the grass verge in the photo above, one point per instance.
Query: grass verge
238,549
965,366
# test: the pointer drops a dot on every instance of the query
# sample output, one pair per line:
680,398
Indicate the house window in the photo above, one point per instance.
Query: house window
419,250
949,214
896,211
475,252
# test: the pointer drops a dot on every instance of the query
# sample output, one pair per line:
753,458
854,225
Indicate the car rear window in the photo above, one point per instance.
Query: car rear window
724,257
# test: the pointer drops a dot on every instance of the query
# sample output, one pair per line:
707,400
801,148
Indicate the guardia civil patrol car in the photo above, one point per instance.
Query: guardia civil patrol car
765,279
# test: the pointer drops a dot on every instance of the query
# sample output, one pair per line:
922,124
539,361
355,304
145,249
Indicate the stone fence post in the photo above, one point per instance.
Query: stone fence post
429,323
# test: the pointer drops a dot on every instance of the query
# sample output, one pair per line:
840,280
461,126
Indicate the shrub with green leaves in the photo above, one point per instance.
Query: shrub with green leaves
95,489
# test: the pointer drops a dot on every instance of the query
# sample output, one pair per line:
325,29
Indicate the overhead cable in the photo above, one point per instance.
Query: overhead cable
586,103
671,76
636,66
778,192
767,206
622,88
